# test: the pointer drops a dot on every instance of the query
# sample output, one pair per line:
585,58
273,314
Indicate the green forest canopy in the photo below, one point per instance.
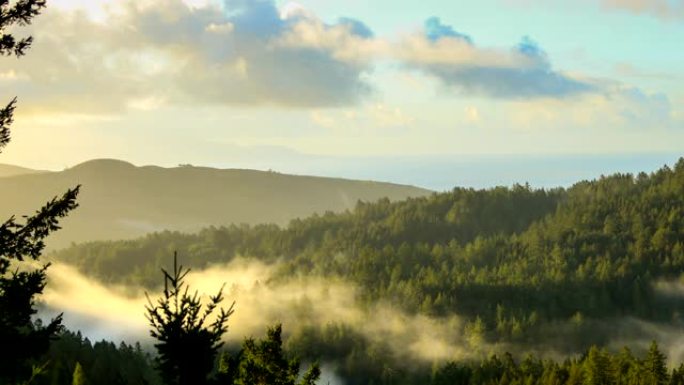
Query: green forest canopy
526,268
516,259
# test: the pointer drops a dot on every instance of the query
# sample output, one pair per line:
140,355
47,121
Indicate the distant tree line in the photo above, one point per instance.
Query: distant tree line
74,360
596,367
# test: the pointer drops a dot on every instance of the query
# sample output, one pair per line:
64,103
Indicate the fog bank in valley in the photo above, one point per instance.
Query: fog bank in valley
117,312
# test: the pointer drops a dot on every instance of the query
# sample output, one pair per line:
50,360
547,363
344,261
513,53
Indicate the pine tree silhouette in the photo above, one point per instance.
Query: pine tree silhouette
188,340
23,240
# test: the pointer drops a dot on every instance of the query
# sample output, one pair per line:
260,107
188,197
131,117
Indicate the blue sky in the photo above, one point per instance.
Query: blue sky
222,83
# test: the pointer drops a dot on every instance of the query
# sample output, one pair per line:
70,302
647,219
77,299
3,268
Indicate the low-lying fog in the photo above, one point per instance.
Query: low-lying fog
118,313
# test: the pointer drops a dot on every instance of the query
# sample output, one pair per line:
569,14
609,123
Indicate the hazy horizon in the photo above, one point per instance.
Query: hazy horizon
435,172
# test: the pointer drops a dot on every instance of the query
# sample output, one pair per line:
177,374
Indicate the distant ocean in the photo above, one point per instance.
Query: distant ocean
446,172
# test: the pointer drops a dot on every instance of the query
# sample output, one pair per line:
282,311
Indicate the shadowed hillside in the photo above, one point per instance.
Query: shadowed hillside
120,200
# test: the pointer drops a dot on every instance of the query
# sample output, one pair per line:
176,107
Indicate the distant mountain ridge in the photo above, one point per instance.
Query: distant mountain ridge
10,170
120,200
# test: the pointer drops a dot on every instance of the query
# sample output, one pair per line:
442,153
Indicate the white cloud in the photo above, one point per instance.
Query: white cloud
168,50
472,114
665,9
159,53
669,10
618,108
522,72
224,28
369,120
339,40
418,49
385,116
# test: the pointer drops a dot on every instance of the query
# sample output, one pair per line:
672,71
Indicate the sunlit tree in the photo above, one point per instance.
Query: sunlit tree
79,377
655,366
264,363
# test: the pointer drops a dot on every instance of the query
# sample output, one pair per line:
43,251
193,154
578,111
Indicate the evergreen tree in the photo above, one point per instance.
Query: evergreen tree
474,332
23,240
624,365
264,363
453,374
188,341
597,369
677,377
79,377
655,366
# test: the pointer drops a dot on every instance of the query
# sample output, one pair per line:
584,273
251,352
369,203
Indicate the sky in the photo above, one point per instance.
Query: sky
281,85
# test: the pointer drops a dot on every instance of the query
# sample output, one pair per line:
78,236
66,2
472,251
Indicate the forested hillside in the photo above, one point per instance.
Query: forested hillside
533,269
74,358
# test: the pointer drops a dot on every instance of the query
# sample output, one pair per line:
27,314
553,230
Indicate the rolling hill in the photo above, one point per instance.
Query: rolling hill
9,170
120,201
